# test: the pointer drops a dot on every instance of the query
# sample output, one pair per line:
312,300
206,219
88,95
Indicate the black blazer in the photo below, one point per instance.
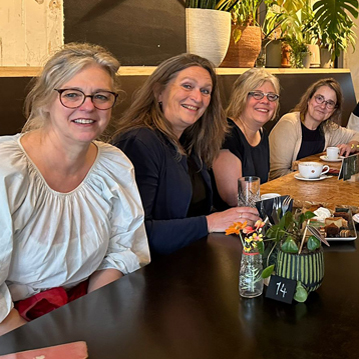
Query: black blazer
165,188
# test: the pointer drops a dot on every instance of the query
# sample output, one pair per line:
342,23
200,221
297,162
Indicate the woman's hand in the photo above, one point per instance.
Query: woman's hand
220,221
347,148
11,322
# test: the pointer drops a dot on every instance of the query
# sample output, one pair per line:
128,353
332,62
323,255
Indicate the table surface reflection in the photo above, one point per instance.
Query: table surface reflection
186,305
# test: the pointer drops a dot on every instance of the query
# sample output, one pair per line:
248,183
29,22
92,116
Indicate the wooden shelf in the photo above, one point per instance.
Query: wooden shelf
10,71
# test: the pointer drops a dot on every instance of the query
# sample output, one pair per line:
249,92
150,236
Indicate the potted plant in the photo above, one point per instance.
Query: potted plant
336,24
298,256
208,28
245,43
281,20
299,52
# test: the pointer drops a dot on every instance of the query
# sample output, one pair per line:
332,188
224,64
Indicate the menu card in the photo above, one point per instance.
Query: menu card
75,350
349,170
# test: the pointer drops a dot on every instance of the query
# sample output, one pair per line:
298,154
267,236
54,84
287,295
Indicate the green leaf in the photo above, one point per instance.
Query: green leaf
308,215
301,294
289,246
260,247
313,243
267,271
237,33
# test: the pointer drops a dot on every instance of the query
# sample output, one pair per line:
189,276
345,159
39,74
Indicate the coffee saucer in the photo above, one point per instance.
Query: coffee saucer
325,158
300,177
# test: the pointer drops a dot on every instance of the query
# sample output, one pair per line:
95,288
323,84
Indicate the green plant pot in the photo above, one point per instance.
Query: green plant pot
307,268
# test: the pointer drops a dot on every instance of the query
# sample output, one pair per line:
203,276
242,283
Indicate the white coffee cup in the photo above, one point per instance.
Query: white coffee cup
312,169
333,153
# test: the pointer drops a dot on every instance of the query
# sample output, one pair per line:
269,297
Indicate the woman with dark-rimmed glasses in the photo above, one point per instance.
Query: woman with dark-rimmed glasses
310,128
245,152
71,217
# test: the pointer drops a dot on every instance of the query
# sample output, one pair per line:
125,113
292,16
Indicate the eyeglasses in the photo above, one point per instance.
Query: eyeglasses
73,98
319,99
258,95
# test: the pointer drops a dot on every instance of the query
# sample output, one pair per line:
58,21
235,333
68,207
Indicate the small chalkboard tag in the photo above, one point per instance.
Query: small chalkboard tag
281,289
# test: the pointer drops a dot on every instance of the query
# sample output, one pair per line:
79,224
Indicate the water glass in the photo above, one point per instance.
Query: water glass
248,191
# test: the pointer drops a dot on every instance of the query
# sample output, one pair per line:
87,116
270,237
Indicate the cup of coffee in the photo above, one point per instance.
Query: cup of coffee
312,169
333,153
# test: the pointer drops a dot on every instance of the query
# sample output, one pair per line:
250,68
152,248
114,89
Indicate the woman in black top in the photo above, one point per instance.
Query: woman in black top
171,133
245,152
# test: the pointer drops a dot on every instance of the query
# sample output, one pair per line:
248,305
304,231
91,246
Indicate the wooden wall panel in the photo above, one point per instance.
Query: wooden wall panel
137,32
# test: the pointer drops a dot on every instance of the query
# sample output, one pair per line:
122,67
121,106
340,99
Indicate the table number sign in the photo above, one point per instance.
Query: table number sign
281,289
349,170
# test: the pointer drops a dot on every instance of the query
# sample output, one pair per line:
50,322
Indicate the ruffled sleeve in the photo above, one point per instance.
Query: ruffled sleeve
128,247
13,187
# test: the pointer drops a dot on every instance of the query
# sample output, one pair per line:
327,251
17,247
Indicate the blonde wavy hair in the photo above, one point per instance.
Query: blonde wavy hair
59,69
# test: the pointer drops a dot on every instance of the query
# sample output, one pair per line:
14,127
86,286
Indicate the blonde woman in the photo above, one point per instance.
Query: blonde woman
245,151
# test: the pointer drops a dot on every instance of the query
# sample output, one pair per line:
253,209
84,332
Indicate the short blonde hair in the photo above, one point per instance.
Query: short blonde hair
245,83
59,69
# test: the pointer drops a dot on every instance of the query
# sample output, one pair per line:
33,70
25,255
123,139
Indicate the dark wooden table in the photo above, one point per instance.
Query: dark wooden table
187,306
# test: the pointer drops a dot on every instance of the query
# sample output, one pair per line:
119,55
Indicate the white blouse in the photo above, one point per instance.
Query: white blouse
50,239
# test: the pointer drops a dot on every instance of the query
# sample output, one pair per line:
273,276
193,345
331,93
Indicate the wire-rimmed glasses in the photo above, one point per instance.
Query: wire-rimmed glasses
258,95
74,98
319,99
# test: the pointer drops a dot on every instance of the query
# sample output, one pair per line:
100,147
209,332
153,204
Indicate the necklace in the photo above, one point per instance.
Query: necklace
253,141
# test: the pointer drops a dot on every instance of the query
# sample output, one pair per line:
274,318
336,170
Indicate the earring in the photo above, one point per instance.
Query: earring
160,103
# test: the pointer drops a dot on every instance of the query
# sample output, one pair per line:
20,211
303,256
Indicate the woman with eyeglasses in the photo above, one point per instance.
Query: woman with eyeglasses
71,217
310,128
245,152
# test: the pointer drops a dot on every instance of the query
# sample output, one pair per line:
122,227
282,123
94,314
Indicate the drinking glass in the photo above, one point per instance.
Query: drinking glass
248,191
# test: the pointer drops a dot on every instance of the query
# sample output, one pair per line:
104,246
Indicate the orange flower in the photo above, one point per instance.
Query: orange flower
248,230
235,228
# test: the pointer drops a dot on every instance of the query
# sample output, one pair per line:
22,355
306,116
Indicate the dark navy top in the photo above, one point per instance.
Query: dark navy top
165,187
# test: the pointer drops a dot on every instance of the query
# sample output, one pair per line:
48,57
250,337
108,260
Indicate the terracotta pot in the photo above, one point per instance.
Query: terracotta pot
285,55
245,52
305,267
208,33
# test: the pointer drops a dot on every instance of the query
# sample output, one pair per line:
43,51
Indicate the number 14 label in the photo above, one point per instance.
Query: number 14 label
281,289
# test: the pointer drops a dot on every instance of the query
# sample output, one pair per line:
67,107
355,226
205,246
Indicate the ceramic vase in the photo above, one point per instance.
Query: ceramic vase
208,33
250,280
305,267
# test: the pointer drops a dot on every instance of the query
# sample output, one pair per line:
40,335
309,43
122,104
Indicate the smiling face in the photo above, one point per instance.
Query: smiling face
317,113
186,98
85,123
260,111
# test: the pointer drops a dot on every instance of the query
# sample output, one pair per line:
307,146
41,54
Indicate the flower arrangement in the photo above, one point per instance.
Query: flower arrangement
251,237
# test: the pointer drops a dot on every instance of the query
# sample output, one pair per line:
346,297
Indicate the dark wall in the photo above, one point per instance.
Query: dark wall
137,32
292,87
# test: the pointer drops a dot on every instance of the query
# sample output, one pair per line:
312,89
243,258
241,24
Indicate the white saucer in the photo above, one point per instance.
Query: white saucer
325,158
300,177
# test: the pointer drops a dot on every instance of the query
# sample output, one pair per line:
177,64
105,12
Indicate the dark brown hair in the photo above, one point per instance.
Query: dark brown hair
205,136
